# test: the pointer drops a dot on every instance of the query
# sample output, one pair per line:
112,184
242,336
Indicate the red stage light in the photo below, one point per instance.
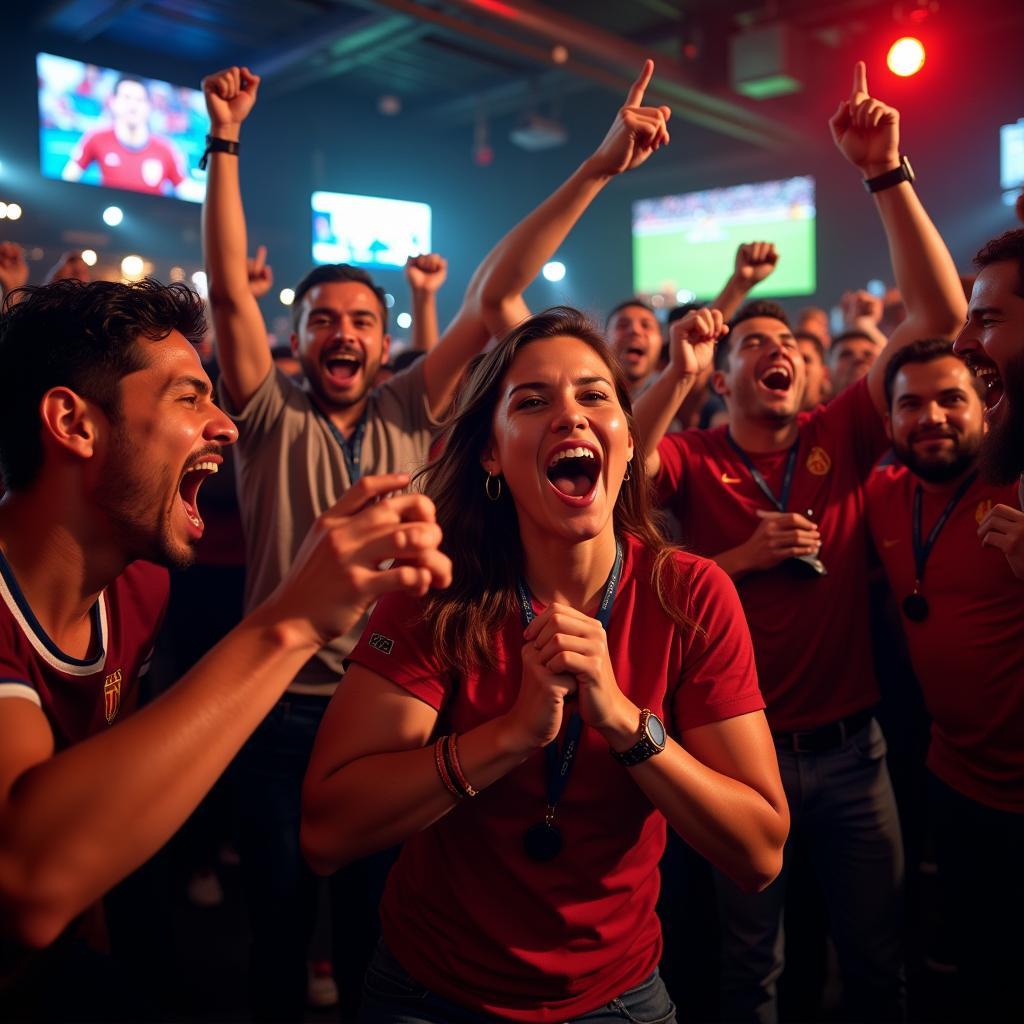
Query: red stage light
906,57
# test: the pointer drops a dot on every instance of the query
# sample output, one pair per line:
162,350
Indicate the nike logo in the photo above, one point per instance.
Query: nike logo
890,543
726,479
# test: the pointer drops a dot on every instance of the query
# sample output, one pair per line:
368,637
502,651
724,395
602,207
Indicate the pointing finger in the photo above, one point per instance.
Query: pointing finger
639,87
860,79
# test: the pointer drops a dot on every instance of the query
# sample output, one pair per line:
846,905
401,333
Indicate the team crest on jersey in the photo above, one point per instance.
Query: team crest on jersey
112,695
983,509
818,461
382,643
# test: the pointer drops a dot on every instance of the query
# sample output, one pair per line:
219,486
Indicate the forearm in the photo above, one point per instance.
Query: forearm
379,800
77,823
424,320
732,296
517,259
730,823
242,349
733,561
869,328
655,409
923,268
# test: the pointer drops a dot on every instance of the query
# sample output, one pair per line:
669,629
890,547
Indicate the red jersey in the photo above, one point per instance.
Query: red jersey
968,654
465,911
80,698
811,634
154,167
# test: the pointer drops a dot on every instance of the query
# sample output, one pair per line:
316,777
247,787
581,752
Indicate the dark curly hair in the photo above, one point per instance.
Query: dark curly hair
83,337
331,272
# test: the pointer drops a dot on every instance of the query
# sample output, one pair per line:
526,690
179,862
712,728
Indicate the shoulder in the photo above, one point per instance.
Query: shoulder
144,587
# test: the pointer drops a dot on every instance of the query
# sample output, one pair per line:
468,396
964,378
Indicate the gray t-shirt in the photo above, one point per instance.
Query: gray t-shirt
290,469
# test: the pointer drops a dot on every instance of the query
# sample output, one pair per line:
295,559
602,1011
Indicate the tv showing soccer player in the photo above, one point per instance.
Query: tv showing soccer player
368,231
688,242
103,127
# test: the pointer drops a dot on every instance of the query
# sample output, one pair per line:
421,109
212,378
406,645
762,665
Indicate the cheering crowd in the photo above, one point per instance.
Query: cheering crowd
513,610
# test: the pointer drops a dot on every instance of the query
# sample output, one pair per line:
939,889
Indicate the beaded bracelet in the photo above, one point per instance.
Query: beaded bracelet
442,768
455,767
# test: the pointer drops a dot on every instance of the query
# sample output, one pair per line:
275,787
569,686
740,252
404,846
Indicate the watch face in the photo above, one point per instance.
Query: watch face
656,730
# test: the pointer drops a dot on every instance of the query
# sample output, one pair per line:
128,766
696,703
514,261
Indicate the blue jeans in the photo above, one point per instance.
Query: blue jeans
392,996
280,889
844,814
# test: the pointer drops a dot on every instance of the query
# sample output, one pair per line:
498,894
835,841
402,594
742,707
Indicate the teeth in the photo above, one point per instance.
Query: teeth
571,453
210,467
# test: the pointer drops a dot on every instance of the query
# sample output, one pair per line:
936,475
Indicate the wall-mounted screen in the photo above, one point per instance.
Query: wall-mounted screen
1011,155
105,127
368,231
688,242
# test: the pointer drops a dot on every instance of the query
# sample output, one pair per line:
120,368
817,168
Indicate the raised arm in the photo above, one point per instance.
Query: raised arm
425,275
494,300
692,352
74,823
242,349
866,131
13,270
755,261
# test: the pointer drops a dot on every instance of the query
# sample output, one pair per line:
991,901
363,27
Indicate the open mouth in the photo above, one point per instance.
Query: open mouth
989,376
777,379
573,472
188,489
343,367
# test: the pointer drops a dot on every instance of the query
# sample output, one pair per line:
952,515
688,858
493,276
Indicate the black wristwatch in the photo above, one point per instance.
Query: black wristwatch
890,178
652,741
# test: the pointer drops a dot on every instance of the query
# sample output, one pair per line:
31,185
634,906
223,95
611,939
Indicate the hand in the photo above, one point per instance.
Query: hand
13,267
780,535
692,341
426,273
536,717
261,274
230,95
754,262
572,644
70,266
861,305
866,131
1003,528
337,574
635,133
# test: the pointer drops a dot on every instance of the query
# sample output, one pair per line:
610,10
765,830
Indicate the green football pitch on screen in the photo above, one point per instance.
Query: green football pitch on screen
687,243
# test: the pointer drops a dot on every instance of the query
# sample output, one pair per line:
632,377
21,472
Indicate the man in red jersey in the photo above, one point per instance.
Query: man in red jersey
960,608
104,445
992,342
129,155
777,500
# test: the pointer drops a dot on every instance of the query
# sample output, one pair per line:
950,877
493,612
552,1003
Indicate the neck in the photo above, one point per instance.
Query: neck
344,418
754,434
946,486
572,574
131,135
61,565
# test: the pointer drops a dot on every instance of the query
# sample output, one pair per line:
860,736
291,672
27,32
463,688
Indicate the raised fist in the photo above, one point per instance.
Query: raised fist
426,273
261,276
230,95
692,341
860,305
755,261
13,267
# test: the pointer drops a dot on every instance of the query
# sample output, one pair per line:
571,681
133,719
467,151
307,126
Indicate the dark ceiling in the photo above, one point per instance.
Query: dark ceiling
459,60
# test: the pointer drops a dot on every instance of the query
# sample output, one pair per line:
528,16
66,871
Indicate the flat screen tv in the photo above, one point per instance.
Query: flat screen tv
368,231
104,127
688,242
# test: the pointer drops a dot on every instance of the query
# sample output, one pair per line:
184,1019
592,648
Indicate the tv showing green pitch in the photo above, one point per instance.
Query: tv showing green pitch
687,243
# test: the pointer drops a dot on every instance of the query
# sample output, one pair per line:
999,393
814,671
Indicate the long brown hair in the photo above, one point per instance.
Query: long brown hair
482,536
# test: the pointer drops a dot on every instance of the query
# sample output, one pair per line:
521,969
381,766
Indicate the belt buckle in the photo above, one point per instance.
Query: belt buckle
798,747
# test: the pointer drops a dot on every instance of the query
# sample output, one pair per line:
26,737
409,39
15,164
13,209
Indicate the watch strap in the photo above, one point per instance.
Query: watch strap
645,747
890,178
215,144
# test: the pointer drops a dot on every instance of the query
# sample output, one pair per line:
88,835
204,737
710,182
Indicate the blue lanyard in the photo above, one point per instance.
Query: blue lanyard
922,551
558,765
352,448
782,500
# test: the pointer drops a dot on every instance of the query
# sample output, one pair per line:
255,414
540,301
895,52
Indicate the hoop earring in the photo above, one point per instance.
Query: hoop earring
627,477
487,487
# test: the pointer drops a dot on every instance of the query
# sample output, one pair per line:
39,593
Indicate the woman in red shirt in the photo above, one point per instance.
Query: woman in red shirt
527,732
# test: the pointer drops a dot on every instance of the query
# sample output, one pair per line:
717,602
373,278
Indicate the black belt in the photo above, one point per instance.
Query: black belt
825,737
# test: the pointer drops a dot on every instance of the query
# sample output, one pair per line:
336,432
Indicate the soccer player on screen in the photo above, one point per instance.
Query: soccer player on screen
129,155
